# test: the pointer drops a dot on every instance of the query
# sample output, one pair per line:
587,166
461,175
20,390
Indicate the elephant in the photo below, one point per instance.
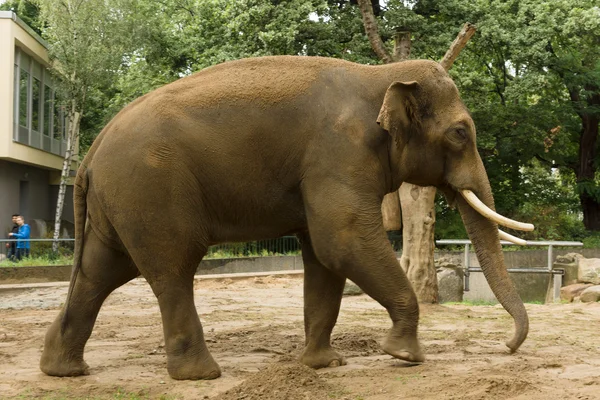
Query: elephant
260,148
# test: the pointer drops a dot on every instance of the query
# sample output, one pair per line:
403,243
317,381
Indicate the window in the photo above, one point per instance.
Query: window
39,114
47,110
23,97
35,104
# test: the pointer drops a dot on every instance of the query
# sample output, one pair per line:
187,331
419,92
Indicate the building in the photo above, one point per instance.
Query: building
32,129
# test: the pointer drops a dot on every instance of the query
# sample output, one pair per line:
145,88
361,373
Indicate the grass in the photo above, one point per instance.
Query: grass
50,259
483,303
471,303
42,260
120,394
229,253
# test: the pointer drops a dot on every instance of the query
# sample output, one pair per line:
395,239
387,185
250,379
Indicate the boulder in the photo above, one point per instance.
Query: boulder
445,262
570,264
589,270
351,289
568,293
569,258
590,294
450,284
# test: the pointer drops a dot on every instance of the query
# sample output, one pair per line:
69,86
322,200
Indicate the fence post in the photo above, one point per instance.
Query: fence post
467,266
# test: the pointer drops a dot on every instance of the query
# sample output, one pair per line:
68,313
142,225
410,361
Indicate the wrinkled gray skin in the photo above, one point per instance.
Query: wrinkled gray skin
260,148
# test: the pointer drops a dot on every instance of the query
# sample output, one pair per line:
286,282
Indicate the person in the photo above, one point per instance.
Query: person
23,233
11,247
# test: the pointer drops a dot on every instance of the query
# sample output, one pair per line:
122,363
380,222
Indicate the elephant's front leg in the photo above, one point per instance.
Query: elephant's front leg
322,298
347,237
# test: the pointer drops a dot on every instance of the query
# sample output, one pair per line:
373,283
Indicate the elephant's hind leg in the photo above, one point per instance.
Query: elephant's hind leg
171,276
322,298
103,269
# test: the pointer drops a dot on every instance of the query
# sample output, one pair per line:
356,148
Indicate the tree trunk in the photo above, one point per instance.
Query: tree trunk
459,43
390,210
586,170
370,24
402,45
73,132
418,220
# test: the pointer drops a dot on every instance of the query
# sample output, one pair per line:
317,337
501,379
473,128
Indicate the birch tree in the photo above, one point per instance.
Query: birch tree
86,45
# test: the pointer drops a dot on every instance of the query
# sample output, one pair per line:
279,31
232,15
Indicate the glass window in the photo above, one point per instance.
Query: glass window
23,109
58,120
36,93
47,109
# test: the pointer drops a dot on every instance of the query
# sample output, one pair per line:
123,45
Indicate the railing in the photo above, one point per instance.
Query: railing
556,273
286,245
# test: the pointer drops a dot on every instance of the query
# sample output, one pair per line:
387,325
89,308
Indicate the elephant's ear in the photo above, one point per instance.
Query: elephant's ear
399,113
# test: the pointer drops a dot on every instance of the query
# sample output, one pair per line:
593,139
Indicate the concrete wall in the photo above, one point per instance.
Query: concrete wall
250,264
532,287
36,204
68,210
41,198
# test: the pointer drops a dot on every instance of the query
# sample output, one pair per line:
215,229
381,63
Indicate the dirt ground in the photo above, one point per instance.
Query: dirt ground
254,329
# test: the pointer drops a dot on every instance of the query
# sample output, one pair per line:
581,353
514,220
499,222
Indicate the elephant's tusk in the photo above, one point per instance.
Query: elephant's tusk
487,212
510,238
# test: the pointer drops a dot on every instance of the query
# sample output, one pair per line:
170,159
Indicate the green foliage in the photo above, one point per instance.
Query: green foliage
41,260
592,241
27,10
528,76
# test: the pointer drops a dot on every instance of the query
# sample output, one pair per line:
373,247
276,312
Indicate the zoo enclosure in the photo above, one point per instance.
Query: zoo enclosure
286,245
557,274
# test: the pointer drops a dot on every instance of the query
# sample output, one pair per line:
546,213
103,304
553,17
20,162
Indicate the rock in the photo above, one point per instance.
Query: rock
2,257
570,264
569,258
570,292
591,294
589,270
351,289
444,262
450,284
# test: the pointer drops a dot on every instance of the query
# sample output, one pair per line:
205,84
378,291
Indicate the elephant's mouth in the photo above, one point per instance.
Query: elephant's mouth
471,198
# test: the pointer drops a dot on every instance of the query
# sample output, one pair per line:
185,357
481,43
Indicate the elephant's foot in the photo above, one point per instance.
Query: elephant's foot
322,358
403,347
181,368
59,365
62,356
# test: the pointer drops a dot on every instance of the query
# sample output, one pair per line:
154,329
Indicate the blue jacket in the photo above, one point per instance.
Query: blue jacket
24,232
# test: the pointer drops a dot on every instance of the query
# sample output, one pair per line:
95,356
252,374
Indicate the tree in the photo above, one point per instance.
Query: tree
530,80
27,10
85,40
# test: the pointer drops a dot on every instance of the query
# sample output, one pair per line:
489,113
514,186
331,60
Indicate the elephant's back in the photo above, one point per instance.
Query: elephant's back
262,81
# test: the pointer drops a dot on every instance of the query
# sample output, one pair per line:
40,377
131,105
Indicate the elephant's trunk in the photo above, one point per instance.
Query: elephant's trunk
483,233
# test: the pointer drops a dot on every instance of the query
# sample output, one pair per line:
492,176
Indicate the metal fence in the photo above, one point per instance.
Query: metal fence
556,273
286,245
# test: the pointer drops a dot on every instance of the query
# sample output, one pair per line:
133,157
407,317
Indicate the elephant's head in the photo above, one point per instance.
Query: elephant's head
434,145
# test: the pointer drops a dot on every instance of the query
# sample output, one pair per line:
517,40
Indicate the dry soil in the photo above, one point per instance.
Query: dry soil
254,329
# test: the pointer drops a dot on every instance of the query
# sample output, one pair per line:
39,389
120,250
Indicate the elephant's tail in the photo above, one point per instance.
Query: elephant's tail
80,205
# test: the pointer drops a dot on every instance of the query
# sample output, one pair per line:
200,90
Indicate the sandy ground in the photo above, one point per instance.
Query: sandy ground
254,329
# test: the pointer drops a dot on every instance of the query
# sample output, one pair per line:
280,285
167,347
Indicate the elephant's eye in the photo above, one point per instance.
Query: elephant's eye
458,135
